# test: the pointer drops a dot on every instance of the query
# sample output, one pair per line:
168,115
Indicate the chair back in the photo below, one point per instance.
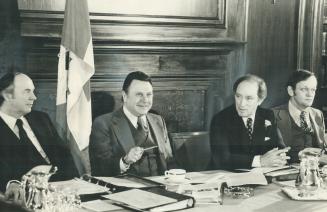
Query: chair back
191,150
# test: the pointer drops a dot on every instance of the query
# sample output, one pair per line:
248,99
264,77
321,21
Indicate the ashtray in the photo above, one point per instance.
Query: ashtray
239,192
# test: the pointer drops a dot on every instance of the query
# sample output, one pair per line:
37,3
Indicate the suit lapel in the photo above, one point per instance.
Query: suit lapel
284,125
122,131
258,128
314,122
239,129
159,137
8,133
34,124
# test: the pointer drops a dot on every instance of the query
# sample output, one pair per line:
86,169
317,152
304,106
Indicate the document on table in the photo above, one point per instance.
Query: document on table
79,186
270,169
100,206
140,199
247,178
122,182
198,177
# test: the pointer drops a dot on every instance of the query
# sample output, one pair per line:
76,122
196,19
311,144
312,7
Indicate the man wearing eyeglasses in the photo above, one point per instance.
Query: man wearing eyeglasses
301,125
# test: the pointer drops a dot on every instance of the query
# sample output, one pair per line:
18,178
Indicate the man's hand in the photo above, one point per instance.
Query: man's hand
15,193
133,155
275,157
323,159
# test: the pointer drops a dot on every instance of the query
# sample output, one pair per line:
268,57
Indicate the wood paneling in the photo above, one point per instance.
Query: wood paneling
271,47
310,35
171,12
193,49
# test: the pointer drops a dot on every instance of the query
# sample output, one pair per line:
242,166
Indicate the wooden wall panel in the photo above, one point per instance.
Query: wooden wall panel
271,47
193,49
184,105
210,12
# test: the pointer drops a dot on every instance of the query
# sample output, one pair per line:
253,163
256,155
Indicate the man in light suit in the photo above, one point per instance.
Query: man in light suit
119,140
245,135
301,125
28,138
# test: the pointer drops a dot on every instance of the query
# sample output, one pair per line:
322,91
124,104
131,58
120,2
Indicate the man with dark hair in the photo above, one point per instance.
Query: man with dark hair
245,135
120,140
28,138
301,125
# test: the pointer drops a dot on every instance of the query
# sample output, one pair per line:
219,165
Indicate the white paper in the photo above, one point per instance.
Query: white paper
248,178
206,177
100,206
122,182
140,199
269,169
79,186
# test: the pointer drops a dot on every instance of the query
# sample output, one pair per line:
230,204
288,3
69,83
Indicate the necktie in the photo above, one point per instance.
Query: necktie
22,133
249,127
141,126
303,123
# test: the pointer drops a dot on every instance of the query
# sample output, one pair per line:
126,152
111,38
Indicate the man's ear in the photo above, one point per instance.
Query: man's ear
124,96
290,91
6,95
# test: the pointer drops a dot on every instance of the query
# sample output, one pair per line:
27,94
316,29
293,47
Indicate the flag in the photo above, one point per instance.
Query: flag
75,68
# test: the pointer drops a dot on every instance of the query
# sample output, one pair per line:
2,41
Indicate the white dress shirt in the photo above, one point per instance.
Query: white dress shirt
11,122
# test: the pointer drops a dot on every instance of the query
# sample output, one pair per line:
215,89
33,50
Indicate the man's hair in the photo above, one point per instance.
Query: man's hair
262,88
136,75
7,80
298,76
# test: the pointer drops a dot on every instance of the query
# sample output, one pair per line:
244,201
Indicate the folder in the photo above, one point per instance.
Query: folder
151,199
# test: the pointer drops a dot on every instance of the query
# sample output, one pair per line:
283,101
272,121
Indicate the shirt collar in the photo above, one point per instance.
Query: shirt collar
9,120
295,112
246,119
132,118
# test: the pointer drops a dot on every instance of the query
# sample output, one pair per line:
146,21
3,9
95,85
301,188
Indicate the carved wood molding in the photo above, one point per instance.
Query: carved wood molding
180,13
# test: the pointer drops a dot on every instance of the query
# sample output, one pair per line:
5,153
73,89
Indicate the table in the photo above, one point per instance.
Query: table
267,198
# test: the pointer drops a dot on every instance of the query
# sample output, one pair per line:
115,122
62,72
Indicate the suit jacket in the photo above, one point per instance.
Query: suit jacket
283,119
230,144
14,165
111,139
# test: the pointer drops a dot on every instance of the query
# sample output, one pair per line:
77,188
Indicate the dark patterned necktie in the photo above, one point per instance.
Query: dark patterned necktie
249,127
303,123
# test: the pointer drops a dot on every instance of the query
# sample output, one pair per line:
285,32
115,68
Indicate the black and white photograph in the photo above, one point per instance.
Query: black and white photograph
163,105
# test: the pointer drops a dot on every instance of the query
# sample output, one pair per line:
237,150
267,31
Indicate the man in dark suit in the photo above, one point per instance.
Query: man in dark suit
28,138
119,140
245,135
301,125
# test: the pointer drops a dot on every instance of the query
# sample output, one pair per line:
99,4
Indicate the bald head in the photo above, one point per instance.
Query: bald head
18,97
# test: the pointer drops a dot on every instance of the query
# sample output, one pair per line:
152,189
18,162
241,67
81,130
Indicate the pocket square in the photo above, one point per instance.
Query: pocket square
267,138
267,123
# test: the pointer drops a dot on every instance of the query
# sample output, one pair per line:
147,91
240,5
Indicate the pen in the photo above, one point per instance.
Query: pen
149,148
